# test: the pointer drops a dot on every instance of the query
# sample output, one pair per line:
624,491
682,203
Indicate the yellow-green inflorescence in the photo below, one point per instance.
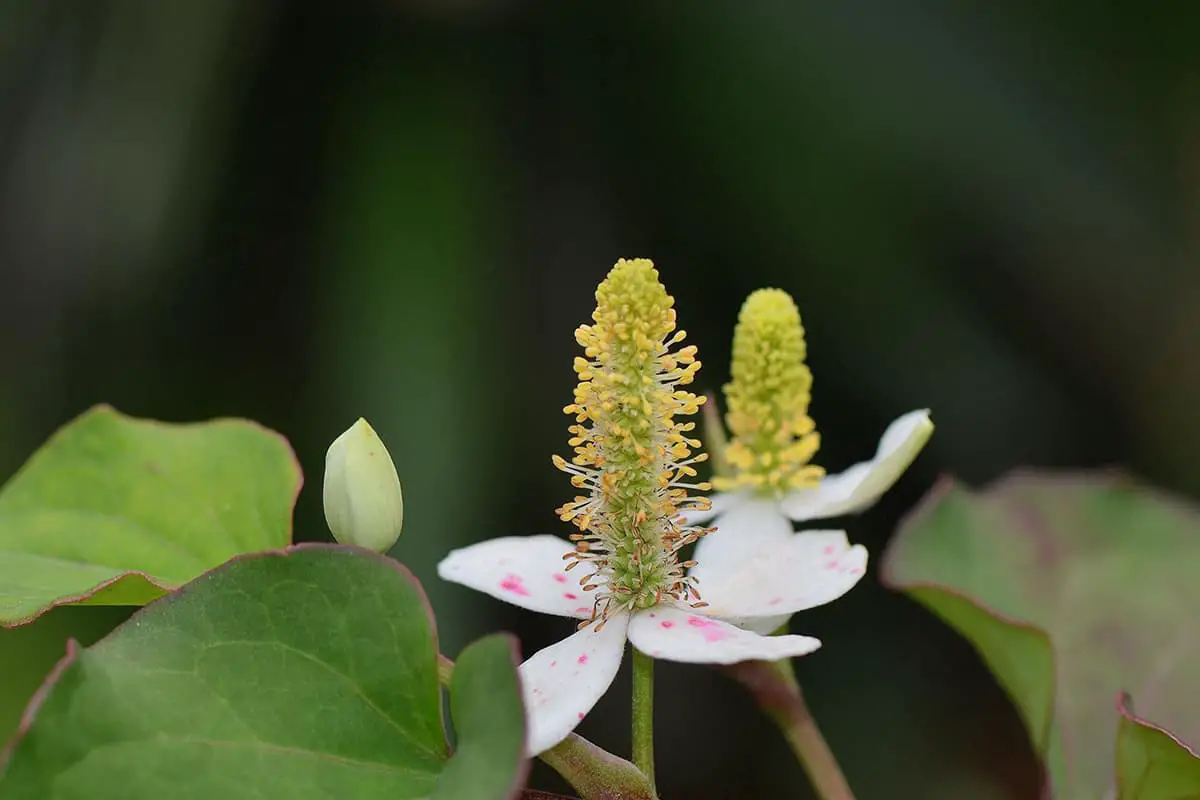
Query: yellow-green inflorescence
773,437
632,456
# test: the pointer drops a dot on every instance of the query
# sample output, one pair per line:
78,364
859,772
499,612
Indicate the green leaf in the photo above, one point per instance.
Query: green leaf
115,510
1152,764
301,674
489,720
1074,589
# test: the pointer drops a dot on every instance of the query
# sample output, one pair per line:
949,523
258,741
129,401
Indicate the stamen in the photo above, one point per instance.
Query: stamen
631,455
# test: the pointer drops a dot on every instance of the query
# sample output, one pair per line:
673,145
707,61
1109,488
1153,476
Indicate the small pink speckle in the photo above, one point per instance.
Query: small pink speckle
712,631
580,715
828,550
570,596
513,583
774,601
553,664
582,659
583,610
831,565
561,578
856,571
666,623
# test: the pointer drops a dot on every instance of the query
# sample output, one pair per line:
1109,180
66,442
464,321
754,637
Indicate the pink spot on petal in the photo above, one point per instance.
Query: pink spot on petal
857,571
583,610
553,664
580,715
666,623
515,584
774,601
831,565
712,630
570,596
560,577
582,659
828,550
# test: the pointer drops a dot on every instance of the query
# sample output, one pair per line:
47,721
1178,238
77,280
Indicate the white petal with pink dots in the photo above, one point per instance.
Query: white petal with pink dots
679,634
861,485
526,571
808,569
561,683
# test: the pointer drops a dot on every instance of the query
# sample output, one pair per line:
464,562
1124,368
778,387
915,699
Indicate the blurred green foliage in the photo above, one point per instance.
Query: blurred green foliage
1077,589
306,212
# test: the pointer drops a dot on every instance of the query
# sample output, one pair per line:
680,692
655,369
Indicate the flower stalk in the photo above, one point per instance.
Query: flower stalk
643,713
774,686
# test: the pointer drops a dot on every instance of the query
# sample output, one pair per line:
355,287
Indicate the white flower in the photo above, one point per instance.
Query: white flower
562,682
773,484
633,466
748,523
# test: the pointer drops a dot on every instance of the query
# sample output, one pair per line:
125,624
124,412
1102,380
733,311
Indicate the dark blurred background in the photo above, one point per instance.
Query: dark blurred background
401,209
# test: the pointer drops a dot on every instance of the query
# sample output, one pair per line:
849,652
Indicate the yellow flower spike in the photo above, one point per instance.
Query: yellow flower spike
630,451
773,438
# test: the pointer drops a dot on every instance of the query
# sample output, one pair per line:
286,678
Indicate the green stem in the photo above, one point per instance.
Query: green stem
643,713
595,773
774,686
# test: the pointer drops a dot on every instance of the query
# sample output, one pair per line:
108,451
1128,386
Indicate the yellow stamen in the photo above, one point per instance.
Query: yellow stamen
629,451
774,439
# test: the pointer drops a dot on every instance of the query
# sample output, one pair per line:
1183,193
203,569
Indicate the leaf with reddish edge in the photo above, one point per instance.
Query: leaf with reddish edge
308,673
489,723
1073,588
1151,763
114,510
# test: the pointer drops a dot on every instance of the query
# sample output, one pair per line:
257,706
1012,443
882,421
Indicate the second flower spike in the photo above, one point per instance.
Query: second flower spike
364,505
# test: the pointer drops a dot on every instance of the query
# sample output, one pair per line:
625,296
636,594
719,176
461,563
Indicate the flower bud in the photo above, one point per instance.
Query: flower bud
363,502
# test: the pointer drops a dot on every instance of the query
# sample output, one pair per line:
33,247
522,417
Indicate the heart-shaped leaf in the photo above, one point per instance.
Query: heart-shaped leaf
1074,589
1152,764
115,510
307,674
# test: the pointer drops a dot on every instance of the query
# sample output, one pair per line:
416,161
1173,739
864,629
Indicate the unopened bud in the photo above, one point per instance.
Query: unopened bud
363,502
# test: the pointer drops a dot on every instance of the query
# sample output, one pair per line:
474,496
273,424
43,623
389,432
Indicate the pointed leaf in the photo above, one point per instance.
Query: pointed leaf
115,510
308,674
1152,764
489,719
1074,589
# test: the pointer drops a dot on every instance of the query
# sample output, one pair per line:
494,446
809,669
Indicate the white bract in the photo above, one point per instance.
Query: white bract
562,682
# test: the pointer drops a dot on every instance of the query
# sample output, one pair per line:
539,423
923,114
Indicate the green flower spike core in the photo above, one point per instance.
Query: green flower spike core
114,510
1077,590
635,458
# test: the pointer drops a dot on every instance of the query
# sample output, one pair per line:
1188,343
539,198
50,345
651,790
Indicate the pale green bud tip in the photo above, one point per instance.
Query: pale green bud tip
363,502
